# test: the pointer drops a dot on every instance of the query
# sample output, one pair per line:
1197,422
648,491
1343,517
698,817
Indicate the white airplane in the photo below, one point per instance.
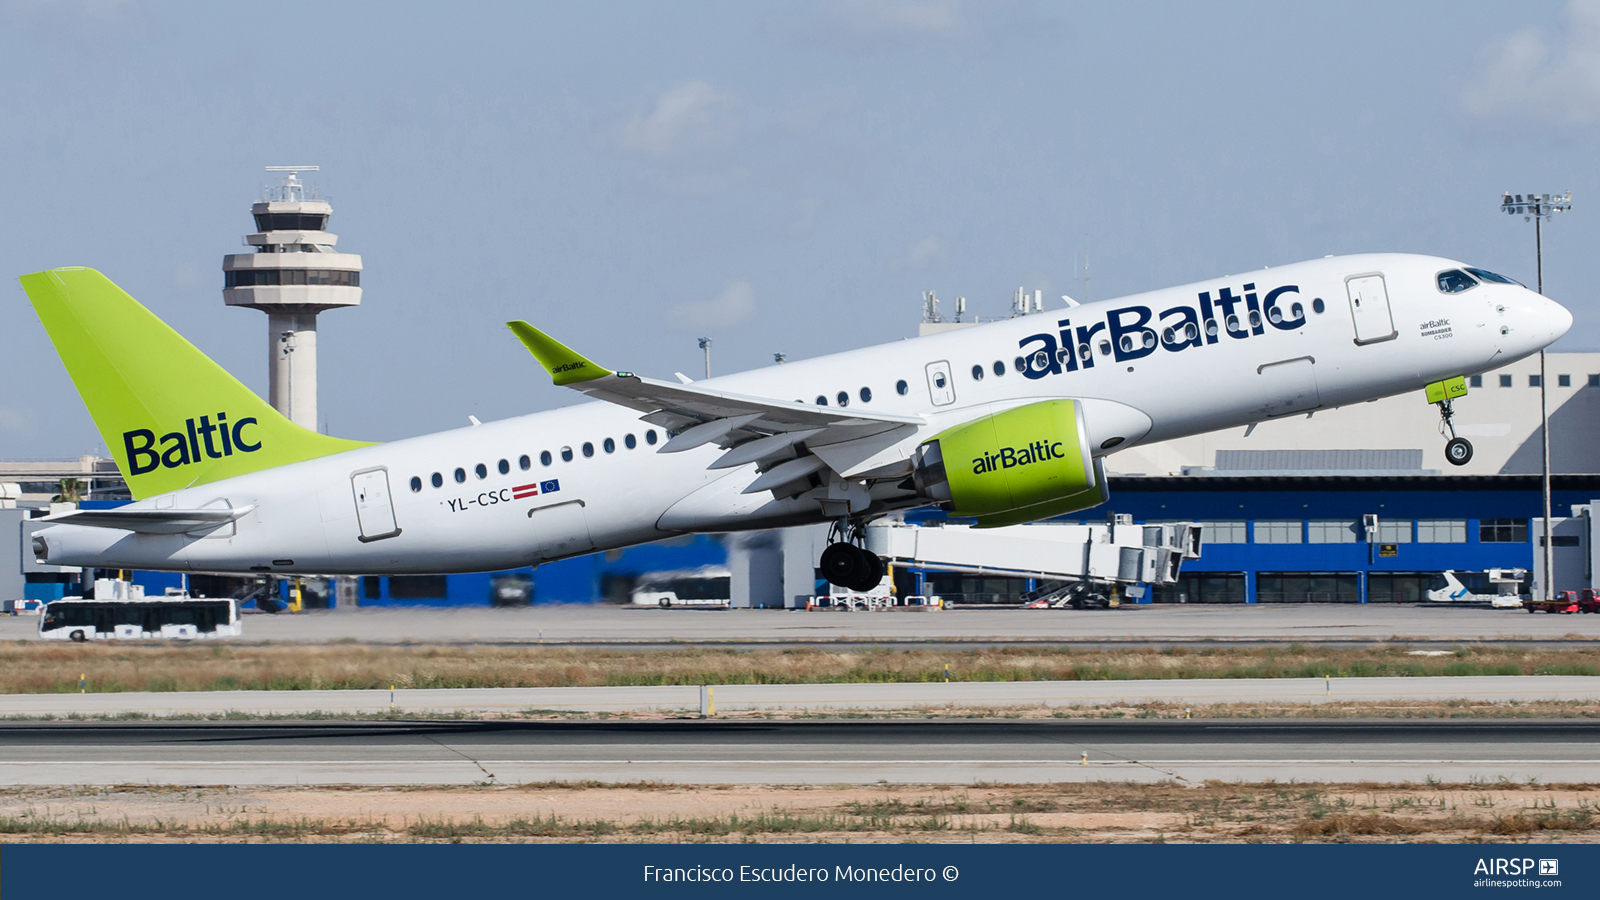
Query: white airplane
1006,422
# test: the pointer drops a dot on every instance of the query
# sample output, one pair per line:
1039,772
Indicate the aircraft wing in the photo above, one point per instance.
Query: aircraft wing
151,521
753,429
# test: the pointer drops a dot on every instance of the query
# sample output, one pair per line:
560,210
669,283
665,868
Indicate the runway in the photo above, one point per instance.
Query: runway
791,698
834,752
601,626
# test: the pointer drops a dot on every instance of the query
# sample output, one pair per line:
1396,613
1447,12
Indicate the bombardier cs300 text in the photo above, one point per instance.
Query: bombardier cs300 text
1004,423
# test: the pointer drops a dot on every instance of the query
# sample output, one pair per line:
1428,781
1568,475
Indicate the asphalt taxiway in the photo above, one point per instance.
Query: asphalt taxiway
1159,625
835,752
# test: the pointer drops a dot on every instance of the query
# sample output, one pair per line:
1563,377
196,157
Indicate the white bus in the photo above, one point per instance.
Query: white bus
707,586
154,618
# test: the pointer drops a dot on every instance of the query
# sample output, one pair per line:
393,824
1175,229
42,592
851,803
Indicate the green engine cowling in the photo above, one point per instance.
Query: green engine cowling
1021,465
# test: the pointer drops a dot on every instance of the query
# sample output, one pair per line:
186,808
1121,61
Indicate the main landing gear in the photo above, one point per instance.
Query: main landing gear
848,564
1458,450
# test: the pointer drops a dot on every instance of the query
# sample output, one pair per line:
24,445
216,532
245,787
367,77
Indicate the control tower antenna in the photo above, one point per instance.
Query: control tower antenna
293,274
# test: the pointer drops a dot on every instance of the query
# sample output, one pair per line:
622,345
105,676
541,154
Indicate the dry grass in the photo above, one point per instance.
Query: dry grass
649,813
35,667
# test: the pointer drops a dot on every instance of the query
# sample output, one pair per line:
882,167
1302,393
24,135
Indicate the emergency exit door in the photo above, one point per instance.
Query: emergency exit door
941,387
1369,307
374,508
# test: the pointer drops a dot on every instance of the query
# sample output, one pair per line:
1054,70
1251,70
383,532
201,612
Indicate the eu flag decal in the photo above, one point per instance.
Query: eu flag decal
549,487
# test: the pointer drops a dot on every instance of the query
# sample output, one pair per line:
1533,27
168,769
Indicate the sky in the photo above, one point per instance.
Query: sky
781,178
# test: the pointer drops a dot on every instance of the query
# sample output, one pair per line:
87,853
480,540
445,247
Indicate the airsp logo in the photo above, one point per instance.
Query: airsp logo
1008,457
569,367
178,448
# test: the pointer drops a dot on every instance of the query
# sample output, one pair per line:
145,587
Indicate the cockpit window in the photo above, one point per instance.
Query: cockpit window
1497,279
1454,281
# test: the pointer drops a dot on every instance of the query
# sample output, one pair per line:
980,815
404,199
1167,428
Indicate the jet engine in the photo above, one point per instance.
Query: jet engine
1024,464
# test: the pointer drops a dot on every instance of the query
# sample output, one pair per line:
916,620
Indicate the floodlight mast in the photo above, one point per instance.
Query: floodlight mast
1539,207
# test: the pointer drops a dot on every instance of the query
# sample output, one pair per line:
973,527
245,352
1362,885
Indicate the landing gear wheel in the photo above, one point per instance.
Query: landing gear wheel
1458,451
871,572
842,564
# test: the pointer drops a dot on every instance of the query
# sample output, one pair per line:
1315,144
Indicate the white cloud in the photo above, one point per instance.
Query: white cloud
1523,75
922,253
900,19
691,115
736,303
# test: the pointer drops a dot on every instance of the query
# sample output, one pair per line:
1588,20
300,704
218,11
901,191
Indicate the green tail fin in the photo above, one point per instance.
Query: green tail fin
170,416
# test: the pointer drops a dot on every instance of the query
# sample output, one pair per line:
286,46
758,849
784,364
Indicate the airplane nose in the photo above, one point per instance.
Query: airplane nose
1555,320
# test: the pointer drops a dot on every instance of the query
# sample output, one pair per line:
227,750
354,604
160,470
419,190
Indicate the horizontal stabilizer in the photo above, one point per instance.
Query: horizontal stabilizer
151,521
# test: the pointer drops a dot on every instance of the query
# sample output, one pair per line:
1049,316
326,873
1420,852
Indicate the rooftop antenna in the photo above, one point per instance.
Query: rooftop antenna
705,344
961,307
290,187
930,308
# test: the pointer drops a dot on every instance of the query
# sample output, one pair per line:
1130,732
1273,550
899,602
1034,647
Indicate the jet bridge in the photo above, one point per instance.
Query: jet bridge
1087,560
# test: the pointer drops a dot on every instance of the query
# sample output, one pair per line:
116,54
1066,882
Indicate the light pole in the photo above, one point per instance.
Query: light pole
1539,207
705,344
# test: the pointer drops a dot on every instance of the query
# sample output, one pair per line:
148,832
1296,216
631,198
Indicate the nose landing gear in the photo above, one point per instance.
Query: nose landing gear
848,564
1457,450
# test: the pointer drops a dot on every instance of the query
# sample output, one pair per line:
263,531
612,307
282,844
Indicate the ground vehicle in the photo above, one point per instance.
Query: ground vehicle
175,617
1566,602
1507,585
710,586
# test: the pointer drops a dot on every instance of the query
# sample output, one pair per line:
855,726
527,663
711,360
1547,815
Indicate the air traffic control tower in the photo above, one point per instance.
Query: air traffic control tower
294,274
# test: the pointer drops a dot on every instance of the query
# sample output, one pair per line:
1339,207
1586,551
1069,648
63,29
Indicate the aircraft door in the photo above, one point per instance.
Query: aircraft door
1369,307
374,508
941,386
1289,386
560,530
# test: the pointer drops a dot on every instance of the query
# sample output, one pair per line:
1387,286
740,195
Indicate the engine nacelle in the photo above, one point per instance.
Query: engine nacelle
1024,464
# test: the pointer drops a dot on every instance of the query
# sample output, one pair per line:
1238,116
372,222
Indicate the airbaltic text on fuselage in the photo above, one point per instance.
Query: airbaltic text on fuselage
177,448
1134,332
1008,457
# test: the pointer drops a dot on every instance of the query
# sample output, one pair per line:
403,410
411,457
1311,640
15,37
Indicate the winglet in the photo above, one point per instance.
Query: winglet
562,362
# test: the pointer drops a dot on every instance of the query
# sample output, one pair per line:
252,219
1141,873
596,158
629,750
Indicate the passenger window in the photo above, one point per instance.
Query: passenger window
821,400
630,441
1105,345
416,484
1454,281
544,457
461,476
482,470
1041,360
977,373
901,388
588,449
843,398
1020,363
866,395
437,479
505,467
1317,307
524,462
610,445
999,368
650,437
566,454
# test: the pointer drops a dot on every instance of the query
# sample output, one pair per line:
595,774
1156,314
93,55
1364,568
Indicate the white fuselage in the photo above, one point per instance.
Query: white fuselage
304,518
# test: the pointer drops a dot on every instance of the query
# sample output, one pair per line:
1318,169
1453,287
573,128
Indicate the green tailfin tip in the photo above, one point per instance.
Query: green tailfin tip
563,363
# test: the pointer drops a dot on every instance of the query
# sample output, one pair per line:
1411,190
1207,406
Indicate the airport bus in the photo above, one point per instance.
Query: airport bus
707,586
155,618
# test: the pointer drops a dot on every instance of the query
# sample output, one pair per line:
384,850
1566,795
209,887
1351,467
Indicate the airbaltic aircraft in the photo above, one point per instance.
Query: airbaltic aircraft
1004,423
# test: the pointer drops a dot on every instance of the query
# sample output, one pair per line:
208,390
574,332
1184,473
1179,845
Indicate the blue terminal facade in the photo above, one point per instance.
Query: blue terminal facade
1267,539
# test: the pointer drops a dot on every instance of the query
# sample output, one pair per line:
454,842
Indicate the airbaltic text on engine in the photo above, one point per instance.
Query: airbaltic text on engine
179,449
1007,457
1130,332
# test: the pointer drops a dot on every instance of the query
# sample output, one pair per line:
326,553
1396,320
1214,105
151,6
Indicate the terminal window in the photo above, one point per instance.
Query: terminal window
1477,381
1223,531
1279,531
1594,381
1533,381
1397,587
1394,531
1505,381
1503,531
1307,587
1202,587
1441,531
1331,531
1563,381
